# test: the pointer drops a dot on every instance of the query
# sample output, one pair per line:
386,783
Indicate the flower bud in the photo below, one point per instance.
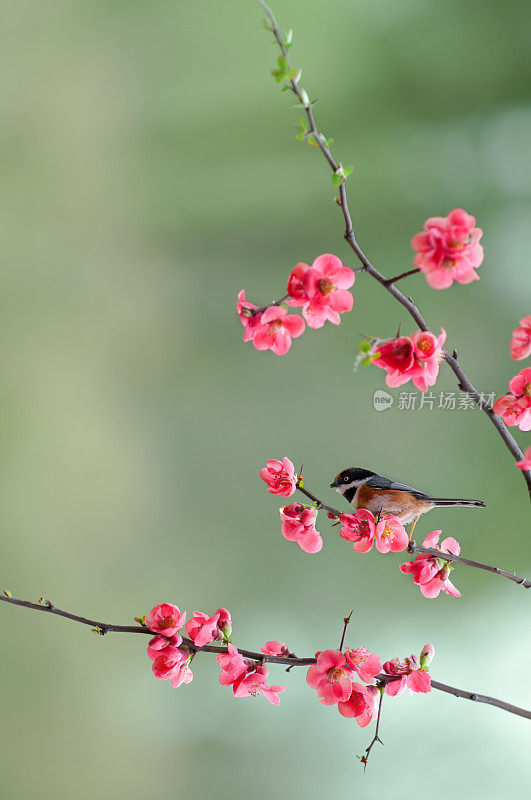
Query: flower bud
426,655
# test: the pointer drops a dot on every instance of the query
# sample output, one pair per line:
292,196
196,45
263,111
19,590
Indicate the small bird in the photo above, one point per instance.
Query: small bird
365,489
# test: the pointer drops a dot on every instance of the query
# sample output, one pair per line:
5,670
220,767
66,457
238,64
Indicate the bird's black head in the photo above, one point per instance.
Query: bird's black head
352,476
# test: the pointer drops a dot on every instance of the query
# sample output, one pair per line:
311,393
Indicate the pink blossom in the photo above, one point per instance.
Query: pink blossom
160,645
515,408
391,535
280,477
410,674
203,629
431,573
322,290
275,330
514,411
521,340
255,683
448,249
298,526
365,663
248,316
415,358
361,704
173,667
165,619
525,463
358,528
329,677
296,289
233,665
275,648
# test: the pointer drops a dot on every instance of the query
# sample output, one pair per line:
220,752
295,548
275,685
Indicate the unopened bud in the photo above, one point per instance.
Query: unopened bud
426,655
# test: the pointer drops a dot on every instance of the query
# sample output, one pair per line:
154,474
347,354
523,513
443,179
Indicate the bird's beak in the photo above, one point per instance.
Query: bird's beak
334,485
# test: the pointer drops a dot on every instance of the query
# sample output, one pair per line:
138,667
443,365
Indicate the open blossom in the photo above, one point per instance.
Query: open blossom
203,629
515,408
255,683
361,704
275,330
280,477
431,573
275,648
365,663
415,358
248,318
521,340
409,673
329,677
233,665
525,463
358,528
390,535
448,249
173,666
298,525
165,619
322,290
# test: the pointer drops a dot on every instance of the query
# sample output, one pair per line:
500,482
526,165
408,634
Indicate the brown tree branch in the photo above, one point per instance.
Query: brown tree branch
463,382
291,661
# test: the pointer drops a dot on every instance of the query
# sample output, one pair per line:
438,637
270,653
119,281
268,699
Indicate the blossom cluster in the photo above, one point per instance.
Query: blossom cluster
363,530
352,679
171,659
448,249
322,292
332,678
431,573
406,358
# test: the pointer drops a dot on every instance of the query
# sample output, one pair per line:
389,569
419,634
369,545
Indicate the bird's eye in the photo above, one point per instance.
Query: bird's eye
346,478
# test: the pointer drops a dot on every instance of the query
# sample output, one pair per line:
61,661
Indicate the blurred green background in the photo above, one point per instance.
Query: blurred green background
149,171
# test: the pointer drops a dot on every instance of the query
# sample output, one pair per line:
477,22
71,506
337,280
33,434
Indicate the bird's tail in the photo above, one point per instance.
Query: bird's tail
448,502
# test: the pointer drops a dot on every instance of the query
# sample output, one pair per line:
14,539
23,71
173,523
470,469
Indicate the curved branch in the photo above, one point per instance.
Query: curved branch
290,661
463,382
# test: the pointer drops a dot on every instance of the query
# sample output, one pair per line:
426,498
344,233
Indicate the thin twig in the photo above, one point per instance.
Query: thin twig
416,548
402,275
346,621
463,382
376,737
291,661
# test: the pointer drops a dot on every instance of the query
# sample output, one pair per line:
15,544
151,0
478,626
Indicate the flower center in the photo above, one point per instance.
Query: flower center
325,286
334,675
274,327
254,691
528,389
449,263
363,527
387,531
168,622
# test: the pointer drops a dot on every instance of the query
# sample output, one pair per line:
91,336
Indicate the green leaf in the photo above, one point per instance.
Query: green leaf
366,362
288,39
365,347
348,170
337,179
282,63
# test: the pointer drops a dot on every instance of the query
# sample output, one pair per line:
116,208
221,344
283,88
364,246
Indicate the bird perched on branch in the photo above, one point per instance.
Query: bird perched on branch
365,489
